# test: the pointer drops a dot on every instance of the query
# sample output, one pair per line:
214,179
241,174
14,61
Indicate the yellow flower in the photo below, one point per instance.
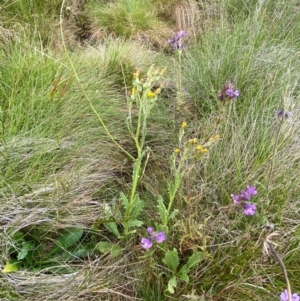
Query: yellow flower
177,150
183,125
150,94
199,147
193,141
134,91
204,150
216,137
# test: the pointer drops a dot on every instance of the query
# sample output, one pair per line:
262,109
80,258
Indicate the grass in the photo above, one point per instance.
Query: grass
62,224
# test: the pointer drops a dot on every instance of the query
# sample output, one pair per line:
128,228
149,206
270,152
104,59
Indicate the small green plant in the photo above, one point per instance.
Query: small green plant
172,262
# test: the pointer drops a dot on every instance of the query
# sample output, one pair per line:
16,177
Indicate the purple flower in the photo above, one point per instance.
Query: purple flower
228,92
279,112
159,237
232,93
146,243
150,230
249,209
284,296
243,198
236,198
177,40
286,114
251,190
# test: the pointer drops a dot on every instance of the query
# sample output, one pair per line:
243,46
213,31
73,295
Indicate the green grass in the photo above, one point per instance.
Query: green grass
61,174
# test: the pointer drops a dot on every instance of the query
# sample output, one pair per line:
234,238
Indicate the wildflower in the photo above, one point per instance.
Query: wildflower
286,114
183,125
228,92
146,243
199,147
279,112
284,296
243,198
177,150
159,237
150,94
236,198
176,42
249,209
216,137
193,141
203,150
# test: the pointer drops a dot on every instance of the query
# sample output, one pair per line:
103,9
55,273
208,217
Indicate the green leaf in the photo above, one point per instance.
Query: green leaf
138,206
115,251
10,267
162,210
177,179
106,247
192,262
133,223
173,214
184,277
171,260
137,167
124,200
67,239
113,228
103,246
171,188
172,284
26,247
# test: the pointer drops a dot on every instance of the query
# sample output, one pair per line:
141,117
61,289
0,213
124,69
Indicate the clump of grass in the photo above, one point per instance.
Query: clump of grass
127,19
40,21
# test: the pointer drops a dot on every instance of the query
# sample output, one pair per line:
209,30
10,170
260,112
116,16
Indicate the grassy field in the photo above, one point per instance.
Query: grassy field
133,135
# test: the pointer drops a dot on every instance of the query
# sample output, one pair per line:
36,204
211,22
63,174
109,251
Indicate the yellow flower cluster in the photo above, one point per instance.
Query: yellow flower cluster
201,149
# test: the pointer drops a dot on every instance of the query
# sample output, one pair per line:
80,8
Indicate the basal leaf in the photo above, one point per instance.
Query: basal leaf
172,284
115,251
103,246
26,247
171,260
67,239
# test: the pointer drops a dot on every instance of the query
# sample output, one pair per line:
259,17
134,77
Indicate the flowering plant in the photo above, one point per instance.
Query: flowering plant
243,198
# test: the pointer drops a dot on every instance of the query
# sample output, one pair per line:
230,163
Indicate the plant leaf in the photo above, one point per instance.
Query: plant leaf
124,200
138,206
171,260
103,246
162,210
192,262
115,251
184,277
113,228
173,214
133,223
172,284
26,247
67,239
10,267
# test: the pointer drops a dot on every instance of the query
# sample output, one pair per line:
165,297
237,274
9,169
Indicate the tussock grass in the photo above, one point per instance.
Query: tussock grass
127,19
